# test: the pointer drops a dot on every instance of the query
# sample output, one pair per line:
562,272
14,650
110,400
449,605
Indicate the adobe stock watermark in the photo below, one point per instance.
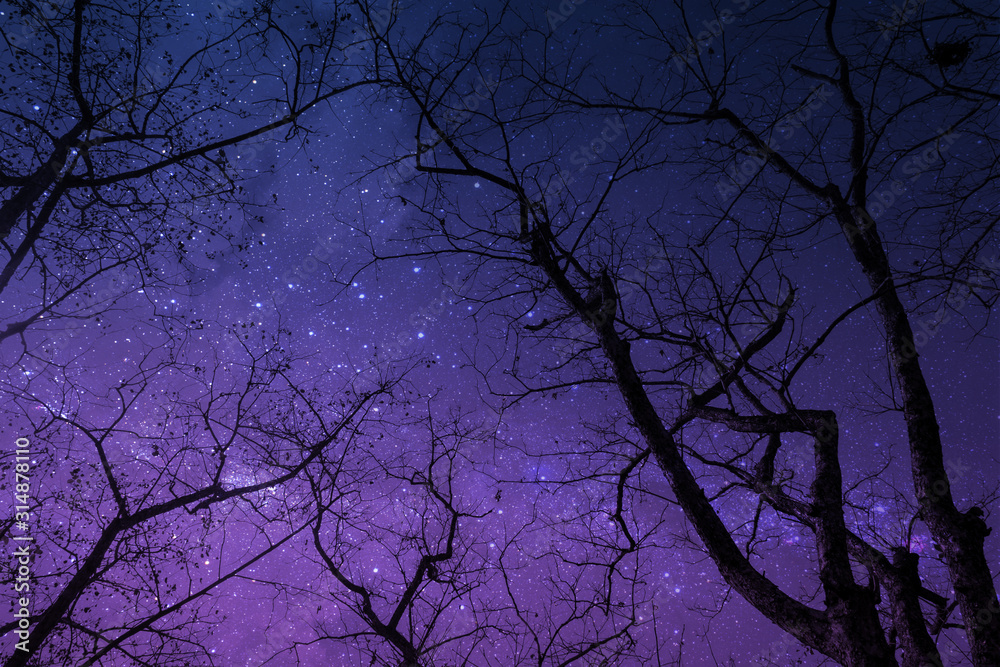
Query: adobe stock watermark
32,19
713,29
373,25
90,303
581,158
738,175
626,285
760,322
22,551
954,470
926,328
238,162
948,655
324,248
377,21
225,8
901,15
914,167
290,280
562,13
421,318
149,80
707,376
482,91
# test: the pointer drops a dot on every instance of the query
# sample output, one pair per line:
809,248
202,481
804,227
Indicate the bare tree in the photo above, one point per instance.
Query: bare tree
416,573
152,473
405,557
129,130
709,333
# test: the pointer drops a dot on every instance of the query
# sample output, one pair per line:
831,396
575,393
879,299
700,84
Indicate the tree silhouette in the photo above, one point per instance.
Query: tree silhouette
418,574
152,472
711,333
128,131
731,232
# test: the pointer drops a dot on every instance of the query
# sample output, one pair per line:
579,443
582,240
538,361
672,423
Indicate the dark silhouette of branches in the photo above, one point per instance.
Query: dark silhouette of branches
129,131
154,469
711,332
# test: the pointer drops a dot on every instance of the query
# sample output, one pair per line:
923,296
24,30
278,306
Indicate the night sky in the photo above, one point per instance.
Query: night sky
539,472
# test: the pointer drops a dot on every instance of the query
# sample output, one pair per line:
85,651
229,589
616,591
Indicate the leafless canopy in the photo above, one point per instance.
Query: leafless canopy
865,146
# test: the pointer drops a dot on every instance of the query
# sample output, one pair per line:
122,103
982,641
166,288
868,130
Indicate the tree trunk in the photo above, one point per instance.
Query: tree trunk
960,536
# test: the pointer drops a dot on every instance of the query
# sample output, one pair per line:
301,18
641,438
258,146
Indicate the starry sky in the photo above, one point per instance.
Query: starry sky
535,476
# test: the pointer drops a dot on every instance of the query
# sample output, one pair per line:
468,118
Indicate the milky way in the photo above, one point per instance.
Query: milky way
261,323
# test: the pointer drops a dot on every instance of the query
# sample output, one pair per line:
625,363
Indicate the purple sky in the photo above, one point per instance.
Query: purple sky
342,320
